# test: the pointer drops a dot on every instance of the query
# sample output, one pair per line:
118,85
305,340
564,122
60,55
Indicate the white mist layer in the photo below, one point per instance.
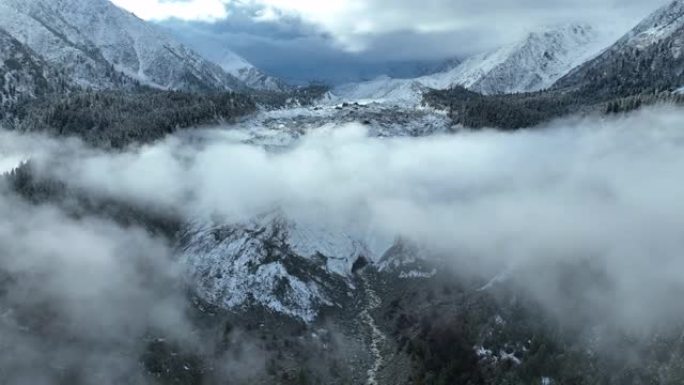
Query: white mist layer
608,191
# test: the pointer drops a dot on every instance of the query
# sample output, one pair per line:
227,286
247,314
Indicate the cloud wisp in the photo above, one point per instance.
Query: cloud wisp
81,297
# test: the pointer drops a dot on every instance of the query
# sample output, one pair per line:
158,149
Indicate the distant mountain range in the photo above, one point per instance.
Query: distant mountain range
533,64
93,44
570,58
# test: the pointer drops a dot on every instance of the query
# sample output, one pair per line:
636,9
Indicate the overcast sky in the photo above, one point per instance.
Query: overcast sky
372,35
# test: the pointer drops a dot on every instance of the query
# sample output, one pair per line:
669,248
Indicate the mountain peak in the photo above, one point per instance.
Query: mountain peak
532,64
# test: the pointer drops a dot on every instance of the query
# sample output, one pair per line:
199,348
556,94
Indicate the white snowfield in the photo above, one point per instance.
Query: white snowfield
532,64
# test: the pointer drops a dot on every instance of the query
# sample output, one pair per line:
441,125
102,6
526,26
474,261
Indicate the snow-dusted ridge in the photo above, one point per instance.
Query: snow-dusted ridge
532,64
661,24
246,72
649,55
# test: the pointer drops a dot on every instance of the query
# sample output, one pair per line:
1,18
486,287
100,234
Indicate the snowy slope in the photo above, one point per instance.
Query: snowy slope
649,57
532,64
381,90
246,72
289,267
101,46
658,26
22,73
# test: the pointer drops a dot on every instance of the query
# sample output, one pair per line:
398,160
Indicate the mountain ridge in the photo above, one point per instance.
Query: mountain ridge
650,57
532,64
100,46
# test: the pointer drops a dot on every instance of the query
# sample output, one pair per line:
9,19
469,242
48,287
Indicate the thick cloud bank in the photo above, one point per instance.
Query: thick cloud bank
601,192
80,298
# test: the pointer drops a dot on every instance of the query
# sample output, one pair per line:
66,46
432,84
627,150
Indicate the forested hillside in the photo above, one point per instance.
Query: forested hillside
116,119
515,111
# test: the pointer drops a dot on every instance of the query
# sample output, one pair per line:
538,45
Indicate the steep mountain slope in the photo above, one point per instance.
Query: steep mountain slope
245,71
530,65
22,73
288,267
100,46
533,64
648,58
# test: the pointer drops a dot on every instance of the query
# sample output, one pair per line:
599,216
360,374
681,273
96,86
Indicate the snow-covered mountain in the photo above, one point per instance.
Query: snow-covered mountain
532,64
98,45
245,71
649,57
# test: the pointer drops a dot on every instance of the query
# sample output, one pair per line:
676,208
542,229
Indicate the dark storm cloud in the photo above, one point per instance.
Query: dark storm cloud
399,38
300,52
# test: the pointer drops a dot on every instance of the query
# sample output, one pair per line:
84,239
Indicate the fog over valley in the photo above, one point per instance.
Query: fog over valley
288,192
522,206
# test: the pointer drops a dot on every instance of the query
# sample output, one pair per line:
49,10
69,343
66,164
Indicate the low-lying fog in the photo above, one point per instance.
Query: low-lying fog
608,191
